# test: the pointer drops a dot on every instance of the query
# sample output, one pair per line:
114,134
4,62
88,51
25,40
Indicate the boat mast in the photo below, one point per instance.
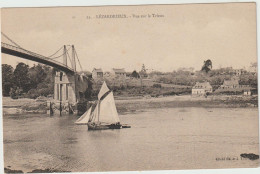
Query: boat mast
98,109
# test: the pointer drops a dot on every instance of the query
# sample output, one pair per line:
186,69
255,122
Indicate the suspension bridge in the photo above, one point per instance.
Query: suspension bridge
69,86
16,50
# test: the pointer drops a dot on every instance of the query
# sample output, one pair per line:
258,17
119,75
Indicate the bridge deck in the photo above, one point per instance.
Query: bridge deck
20,52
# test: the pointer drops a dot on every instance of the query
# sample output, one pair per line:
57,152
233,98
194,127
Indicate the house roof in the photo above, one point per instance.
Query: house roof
202,85
230,82
122,70
97,70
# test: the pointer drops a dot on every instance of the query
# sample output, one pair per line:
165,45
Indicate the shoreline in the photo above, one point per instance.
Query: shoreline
133,104
222,101
9,170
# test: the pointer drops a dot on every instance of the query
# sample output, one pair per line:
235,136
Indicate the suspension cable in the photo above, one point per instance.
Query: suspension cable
69,57
10,39
32,53
55,52
78,60
61,54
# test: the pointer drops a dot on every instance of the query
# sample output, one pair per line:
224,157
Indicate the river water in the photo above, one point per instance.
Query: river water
159,139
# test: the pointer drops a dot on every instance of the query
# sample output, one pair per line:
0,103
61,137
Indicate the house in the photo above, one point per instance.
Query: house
107,74
230,84
118,72
201,88
238,72
97,73
253,69
247,92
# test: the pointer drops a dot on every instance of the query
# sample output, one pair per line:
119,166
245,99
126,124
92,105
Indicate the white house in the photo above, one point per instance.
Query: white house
201,88
247,92
97,73
118,72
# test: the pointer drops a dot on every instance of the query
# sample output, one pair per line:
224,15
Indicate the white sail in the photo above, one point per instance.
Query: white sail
94,115
107,110
85,117
104,89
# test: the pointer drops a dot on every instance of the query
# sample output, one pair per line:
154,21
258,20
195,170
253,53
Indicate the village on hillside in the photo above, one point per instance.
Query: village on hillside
42,81
183,81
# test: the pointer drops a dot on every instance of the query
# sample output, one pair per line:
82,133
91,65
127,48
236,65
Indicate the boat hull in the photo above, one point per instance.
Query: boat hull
81,123
97,127
92,126
114,126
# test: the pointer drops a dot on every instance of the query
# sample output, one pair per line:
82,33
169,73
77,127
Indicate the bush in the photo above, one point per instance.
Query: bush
32,93
15,93
228,92
156,85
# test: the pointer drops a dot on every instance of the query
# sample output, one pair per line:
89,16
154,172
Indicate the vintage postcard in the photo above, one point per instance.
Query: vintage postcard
129,88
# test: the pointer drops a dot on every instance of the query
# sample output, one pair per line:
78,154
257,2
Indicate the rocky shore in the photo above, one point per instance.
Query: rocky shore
8,170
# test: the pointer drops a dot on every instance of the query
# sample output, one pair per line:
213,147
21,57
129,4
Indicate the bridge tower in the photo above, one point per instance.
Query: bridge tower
64,55
65,88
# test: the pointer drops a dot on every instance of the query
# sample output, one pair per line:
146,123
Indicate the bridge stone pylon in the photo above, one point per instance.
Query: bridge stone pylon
66,94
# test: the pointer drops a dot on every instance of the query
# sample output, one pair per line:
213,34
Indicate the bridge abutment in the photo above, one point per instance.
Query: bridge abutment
69,95
65,97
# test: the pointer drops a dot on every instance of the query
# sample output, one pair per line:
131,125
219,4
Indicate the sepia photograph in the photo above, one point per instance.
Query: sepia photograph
129,87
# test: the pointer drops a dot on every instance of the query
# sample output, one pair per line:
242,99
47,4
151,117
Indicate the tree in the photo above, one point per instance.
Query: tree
21,77
207,66
7,78
135,74
143,72
44,85
37,74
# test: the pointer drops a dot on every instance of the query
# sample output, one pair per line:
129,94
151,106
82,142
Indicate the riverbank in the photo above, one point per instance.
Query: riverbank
135,104
23,105
8,170
218,101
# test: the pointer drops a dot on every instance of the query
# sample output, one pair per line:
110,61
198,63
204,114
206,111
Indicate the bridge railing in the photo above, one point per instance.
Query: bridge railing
22,50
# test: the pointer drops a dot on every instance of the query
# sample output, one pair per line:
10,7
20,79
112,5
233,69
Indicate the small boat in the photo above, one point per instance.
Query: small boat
105,115
84,119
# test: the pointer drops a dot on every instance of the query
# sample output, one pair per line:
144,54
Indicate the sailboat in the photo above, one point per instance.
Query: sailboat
84,119
105,115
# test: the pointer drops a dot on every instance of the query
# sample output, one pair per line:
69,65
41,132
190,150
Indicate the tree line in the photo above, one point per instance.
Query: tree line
38,80
26,81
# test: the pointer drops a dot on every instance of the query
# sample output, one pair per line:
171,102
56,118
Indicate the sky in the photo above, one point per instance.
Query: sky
185,36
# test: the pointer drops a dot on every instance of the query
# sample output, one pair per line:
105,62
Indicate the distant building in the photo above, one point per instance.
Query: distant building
253,68
201,88
230,84
97,73
247,92
118,72
107,74
238,72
